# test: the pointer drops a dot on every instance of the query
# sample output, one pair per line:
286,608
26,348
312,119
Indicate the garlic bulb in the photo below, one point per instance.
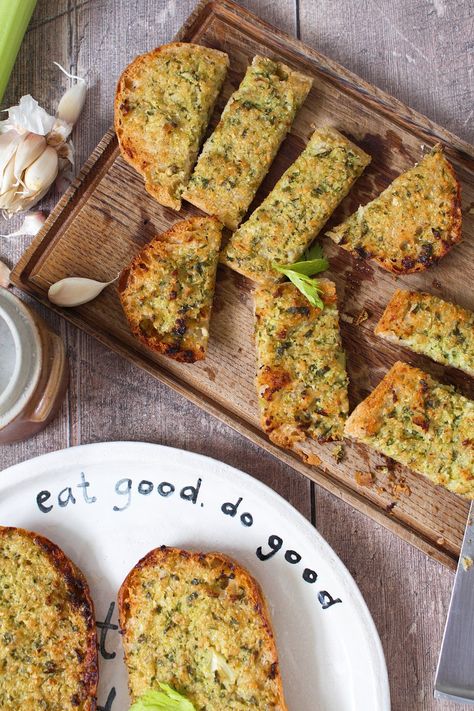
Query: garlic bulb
39,145
75,291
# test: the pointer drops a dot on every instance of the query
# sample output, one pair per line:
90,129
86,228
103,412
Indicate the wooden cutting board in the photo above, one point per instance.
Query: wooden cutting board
106,216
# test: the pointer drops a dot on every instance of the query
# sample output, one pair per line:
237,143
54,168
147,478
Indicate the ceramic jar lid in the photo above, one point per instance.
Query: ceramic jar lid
33,370
20,356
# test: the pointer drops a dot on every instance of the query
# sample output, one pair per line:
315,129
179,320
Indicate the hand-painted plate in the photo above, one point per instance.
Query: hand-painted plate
108,504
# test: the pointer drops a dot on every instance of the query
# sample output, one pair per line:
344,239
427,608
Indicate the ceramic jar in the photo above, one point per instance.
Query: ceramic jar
33,370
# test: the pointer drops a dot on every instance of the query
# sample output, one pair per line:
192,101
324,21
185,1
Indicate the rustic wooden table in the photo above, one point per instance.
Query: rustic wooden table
419,51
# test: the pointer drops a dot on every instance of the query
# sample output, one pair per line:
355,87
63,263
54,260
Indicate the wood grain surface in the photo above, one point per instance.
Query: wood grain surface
417,50
107,216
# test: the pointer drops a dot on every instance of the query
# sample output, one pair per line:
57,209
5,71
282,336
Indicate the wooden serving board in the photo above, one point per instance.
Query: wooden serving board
106,216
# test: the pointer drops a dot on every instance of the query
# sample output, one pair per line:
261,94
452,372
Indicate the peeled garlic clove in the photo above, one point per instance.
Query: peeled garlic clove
4,275
72,102
27,152
75,291
31,225
42,173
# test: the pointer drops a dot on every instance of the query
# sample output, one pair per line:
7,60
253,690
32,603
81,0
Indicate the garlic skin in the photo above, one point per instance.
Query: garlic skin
75,291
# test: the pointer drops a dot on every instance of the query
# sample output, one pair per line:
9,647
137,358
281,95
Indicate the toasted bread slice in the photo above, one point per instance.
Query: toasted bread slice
430,326
48,650
291,216
237,156
199,623
163,104
301,374
421,423
167,290
413,223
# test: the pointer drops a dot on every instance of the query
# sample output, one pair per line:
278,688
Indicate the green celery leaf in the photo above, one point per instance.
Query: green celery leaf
314,252
308,267
308,287
165,700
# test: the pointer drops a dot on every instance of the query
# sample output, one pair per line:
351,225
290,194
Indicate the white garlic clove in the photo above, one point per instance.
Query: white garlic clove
31,225
20,202
27,152
8,182
42,172
4,275
8,144
75,291
72,102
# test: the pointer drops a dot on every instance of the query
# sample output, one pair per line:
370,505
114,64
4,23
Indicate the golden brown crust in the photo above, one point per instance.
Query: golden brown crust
80,599
165,556
183,339
138,152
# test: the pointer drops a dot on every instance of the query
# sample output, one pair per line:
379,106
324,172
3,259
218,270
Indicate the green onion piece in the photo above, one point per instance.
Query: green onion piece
14,18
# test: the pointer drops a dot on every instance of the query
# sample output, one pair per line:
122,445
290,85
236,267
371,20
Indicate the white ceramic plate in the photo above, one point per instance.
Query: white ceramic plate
139,496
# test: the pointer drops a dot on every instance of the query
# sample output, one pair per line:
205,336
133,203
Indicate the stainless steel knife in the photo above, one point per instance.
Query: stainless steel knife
455,672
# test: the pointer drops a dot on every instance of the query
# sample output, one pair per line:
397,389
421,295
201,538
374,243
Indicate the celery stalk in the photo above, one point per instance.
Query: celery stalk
14,18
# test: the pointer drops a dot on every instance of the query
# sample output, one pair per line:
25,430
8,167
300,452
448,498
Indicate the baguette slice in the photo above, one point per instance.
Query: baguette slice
163,104
237,156
295,211
430,326
413,223
167,290
301,366
421,423
48,650
199,623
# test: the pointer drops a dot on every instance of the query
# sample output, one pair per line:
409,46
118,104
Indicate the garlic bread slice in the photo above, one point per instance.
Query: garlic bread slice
198,622
297,208
430,326
301,374
421,423
167,290
48,649
413,223
237,156
163,103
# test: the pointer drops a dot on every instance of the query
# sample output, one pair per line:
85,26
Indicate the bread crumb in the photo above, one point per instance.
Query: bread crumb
440,541
347,318
309,458
364,478
401,488
361,317
338,452
466,562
